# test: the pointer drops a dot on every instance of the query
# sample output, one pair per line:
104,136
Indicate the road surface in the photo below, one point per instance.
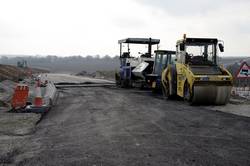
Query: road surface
66,78
108,126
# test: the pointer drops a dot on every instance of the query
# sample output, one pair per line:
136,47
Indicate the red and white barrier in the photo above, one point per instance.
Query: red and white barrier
41,104
20,96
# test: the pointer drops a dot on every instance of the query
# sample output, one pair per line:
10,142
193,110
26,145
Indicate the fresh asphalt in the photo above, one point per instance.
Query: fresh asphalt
109,126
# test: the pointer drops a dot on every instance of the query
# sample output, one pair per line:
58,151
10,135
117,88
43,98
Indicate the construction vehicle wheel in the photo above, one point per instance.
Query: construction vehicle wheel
156,90
187,93
125,84
117,79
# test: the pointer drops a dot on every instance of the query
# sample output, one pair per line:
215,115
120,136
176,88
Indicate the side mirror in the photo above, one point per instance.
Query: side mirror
182,47
221,47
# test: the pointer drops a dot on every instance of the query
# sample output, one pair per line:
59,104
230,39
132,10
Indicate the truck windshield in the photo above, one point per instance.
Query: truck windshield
201,53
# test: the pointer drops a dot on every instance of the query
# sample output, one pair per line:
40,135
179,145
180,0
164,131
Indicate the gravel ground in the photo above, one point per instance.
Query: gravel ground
111,127
15,128
237,109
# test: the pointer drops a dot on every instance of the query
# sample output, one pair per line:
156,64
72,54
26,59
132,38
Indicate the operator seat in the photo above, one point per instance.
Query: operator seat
187,58
197,60
125,55
146,55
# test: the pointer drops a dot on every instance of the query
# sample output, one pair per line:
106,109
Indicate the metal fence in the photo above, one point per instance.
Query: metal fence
241,91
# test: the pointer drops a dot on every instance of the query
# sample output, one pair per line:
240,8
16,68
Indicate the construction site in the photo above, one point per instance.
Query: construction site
165,107
124,83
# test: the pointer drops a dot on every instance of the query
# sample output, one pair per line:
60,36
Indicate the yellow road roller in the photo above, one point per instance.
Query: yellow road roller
196,75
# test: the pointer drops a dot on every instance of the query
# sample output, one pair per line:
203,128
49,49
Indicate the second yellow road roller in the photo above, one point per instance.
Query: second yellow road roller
196,75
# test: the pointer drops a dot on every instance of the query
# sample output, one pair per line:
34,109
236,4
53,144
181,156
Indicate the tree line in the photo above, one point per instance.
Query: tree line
71,64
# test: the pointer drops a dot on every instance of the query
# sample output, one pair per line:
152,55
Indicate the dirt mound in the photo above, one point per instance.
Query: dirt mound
8,72
6,91
9,76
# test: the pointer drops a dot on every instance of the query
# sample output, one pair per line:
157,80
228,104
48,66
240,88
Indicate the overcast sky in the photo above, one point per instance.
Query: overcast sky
90,27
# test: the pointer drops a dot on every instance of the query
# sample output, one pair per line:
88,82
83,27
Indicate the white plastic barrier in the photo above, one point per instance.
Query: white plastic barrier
47,100
50,94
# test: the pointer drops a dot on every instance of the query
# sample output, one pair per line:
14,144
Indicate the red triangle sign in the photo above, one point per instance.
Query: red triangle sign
244,71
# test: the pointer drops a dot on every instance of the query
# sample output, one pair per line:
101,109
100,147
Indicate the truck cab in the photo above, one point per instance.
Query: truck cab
163,58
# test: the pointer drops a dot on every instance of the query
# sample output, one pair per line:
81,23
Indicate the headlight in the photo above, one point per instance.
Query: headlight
201,78
225,79
204,78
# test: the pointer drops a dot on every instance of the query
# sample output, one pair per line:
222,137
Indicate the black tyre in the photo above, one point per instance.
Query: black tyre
117,79
125,83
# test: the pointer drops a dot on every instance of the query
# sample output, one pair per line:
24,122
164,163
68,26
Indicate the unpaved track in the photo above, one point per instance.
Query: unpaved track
112,127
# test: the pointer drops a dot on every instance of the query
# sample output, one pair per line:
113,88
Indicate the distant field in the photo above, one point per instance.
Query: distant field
232,60
104,66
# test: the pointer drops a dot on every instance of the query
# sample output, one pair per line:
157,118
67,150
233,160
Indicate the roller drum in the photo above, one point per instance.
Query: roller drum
211,94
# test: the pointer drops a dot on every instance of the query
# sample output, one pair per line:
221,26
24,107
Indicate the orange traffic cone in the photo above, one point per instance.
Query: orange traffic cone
38,101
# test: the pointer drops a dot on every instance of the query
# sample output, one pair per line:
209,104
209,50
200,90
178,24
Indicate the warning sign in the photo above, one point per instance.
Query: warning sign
244,71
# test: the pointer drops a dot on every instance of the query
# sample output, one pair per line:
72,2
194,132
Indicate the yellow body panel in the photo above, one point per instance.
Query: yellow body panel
154,84
203,88
185,74
166,76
